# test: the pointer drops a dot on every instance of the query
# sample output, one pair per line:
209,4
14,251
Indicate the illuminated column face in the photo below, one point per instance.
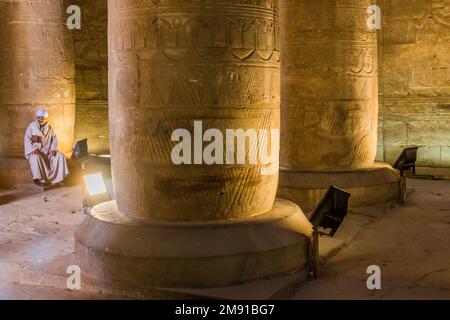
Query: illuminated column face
35,69
176,63
329,85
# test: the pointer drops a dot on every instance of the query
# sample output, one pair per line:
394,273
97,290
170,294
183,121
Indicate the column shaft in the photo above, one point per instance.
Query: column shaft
172,64
329,86
329,104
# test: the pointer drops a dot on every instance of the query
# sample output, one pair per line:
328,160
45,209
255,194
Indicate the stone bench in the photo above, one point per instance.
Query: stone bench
14,170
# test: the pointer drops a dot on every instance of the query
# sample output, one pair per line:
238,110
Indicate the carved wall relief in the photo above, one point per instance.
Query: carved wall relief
91,70
415,80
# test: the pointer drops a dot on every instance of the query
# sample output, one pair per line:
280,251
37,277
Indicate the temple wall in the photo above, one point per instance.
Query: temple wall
91,69
415,80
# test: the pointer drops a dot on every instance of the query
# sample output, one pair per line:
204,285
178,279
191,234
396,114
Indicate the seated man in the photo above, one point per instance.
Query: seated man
48,165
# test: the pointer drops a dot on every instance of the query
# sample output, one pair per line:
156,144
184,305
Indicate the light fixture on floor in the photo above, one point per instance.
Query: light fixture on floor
95,184
407,160
331,211
326,219
94,187
95,191
80,152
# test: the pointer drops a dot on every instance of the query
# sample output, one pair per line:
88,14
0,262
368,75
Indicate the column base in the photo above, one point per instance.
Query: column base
376,184
112,248
14,170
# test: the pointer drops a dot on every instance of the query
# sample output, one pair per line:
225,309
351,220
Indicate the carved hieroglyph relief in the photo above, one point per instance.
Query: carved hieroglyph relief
415,80
329,85
35,68
91,75
174,62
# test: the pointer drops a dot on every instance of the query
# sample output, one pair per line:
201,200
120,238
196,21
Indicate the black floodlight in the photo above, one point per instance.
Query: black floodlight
331,211
407,160
80,152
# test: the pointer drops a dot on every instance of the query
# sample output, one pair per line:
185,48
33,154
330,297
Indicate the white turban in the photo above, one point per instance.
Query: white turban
41,113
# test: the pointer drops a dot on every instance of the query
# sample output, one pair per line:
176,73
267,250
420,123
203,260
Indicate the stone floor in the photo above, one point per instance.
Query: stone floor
411,244
35,227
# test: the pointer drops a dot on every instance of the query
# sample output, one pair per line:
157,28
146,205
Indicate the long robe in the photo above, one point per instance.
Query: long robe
43,166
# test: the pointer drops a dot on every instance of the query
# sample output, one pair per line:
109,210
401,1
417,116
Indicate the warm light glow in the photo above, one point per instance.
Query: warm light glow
95,184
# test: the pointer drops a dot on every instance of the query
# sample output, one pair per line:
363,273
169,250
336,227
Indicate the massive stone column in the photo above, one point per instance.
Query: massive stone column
329,104
35,68
191,67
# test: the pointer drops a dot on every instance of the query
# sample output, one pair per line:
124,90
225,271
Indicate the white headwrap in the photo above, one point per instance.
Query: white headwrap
41,112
